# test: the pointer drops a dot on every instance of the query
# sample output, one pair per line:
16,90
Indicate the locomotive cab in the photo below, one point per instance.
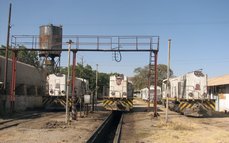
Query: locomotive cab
120,94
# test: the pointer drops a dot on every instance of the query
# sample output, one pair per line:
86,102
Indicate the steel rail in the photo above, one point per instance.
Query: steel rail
98,133
27,117
118,131
18,120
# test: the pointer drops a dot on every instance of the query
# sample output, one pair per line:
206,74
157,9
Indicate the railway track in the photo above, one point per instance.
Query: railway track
110,129
18,119
26,117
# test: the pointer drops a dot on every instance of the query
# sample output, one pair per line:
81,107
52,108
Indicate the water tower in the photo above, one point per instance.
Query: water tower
50,38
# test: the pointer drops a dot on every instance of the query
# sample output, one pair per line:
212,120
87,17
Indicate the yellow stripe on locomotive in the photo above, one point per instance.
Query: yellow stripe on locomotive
120,104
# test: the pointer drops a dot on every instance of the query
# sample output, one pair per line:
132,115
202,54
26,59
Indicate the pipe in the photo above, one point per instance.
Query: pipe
155,84
68,81
167,84
74,110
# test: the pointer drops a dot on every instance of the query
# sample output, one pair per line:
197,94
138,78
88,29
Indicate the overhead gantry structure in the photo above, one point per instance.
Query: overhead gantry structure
89,43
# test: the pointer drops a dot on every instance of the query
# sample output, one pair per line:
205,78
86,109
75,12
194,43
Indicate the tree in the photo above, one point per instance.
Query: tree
86,72
140,80
28,57
2,52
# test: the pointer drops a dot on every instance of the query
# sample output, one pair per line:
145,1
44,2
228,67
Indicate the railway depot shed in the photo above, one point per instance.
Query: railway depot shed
218,88
30,83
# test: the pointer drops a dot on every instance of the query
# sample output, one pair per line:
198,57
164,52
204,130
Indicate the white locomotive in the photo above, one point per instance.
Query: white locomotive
187,94
120,94
57,85
57,89
145,94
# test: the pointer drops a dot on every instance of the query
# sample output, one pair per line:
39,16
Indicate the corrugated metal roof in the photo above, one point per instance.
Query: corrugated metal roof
221,80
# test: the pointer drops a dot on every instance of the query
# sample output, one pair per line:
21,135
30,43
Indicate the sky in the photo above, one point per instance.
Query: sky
199,29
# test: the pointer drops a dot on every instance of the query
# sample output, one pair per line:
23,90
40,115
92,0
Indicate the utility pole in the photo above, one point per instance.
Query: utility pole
68,81
96,84
6,51
4,88
167,83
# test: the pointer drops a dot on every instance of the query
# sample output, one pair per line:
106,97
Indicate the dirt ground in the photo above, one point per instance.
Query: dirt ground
51,128
139,127
142,127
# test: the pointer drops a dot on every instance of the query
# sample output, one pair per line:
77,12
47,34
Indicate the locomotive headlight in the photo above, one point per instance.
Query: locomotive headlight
63,92
190,94
113,93
204,94
51,91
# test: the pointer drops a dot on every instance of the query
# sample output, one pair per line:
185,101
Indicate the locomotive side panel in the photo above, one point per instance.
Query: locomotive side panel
174,87
130,90
189,86
145,94
81,86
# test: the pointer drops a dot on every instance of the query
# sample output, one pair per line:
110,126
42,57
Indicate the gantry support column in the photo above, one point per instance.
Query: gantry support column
13,81
153,61
155,83
149,77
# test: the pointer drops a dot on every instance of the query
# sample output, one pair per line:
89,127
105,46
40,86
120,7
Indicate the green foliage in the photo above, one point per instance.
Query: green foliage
140,80
28,57
89,74
2,52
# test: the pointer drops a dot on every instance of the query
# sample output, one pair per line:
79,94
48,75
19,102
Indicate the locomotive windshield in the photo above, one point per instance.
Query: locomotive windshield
198,73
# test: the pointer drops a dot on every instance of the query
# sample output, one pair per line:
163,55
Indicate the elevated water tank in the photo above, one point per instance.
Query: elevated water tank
50,38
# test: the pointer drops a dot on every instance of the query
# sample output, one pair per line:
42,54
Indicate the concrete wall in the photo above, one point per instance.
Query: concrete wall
25,102
30,85
223,102
222,98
